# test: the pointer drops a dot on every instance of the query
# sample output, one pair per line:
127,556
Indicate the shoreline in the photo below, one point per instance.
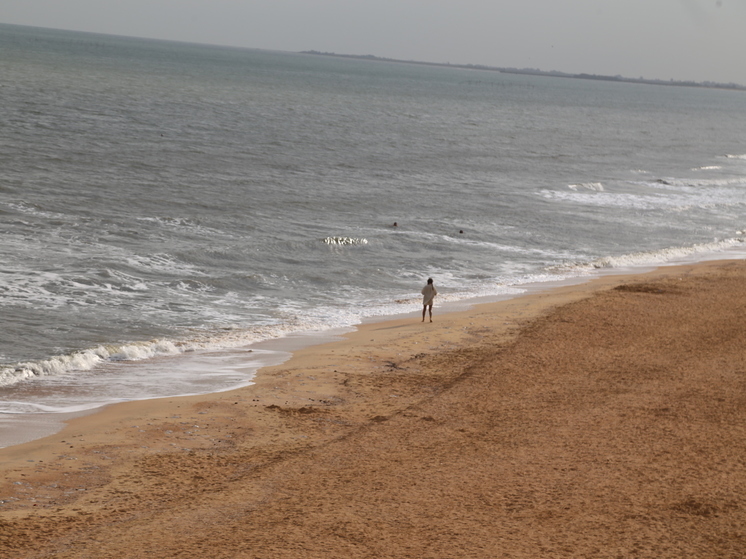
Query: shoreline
533,71
364,445
18,429
289,347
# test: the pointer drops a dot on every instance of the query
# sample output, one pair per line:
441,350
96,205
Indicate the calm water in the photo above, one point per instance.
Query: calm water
163,206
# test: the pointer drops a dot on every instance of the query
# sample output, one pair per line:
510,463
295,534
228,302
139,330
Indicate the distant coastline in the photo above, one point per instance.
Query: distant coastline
536,72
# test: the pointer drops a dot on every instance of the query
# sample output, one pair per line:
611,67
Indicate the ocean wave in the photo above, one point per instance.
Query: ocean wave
729,156
613,200
86,360
648,258
34,210
332,317
345,241
185,224
594,186
671,182
679,196
51,290
164,263
207,340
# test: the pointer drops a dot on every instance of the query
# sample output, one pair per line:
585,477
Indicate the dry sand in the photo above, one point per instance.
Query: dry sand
606,420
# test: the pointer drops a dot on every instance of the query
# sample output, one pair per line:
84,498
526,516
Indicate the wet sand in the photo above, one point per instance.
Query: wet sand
603,420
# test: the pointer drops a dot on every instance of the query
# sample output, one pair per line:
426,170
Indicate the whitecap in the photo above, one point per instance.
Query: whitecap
594,186
652,257
162,263
86,360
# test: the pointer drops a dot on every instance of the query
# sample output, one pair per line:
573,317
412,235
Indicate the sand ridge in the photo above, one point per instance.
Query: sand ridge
604,420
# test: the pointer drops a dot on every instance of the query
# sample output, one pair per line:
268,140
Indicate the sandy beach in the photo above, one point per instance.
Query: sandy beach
602,420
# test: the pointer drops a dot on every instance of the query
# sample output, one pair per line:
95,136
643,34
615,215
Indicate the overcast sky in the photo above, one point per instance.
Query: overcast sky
681,39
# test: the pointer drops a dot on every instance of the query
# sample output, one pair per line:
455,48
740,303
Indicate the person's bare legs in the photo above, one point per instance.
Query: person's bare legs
427,308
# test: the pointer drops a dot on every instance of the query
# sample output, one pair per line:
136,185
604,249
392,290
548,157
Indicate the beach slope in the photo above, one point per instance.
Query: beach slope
606,420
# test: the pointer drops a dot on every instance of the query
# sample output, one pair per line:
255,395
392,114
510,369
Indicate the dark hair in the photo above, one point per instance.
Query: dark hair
429,280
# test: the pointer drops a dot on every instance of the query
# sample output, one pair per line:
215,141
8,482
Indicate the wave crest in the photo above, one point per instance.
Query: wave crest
594,186
648,258
87,359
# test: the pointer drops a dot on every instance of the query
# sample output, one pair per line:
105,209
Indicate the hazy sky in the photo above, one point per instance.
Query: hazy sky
681,39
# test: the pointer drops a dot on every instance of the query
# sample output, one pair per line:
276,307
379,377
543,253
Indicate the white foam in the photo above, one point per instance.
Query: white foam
28,209
138,352
672,182
88,359
594,186
183,223
653,257
51,290
327,318
199,373
163,263
83,360
682,194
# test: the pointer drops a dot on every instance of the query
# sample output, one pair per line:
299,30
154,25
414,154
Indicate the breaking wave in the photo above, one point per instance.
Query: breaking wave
86,360
737,181
649,258
595,186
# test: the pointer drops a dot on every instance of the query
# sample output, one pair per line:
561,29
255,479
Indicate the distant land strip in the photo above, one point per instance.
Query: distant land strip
535,72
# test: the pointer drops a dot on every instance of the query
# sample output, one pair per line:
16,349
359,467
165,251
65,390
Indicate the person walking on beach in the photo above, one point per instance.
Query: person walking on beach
428,294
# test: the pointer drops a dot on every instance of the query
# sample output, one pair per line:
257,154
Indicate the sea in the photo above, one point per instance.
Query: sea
167,210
